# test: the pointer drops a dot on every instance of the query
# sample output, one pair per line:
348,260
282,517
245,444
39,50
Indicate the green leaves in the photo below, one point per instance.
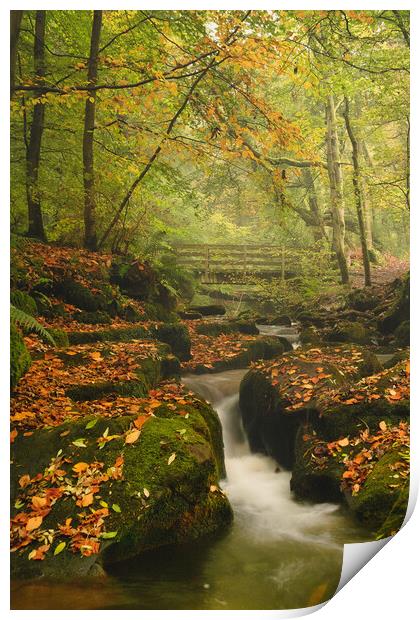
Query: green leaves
59,548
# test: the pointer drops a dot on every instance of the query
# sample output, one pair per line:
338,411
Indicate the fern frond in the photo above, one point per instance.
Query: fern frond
29,324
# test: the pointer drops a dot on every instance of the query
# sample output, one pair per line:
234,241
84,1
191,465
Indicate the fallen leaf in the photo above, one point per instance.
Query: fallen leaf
33,523
59,548
132,436
343,442
172,458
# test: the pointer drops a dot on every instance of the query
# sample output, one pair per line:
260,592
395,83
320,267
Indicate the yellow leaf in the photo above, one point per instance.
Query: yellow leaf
132,436
172,458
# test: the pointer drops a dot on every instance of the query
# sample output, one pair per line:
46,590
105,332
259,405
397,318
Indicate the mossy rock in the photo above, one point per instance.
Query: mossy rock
77,294
183,501
20,360
50,310
262,348
59,336
362,299
373,504
310,335
209,309
349,331
399,310
109,335
130,313
316,474
164,297
99,317
23,301
135,278
270,427
189,316
216,328
395,518
402,334
397,358
177,336
148,375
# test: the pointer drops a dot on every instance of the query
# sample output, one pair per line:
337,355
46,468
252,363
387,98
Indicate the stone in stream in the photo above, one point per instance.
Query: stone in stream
302,426
208,310
122,471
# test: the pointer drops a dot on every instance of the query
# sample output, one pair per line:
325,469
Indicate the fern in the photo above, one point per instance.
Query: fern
29,324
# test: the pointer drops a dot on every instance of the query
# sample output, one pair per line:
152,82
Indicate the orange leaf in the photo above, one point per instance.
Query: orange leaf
87,500
33,523
13,435
343,442
24,481
132,436
80,467
39,502
138,422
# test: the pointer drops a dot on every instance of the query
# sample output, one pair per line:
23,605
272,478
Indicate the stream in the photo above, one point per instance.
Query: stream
279,553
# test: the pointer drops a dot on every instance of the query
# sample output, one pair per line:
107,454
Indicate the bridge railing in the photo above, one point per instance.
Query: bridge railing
216,260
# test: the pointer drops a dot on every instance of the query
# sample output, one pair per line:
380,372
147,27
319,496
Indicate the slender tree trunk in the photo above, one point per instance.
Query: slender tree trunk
15,21
336,190
319,228
90,240
407,166
33,152
358,195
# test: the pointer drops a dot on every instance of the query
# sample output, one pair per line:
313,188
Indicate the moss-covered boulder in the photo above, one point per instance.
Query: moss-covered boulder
59,336
103,495
374,502
362,299
75,293
209,309
310,335
397,514
23,301
399,310
260,348
316,476
177,336
276,398
350,331
135,278
124,334
20,360
402,334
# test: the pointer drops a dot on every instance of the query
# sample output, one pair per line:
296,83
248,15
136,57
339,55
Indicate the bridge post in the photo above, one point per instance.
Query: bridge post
283,260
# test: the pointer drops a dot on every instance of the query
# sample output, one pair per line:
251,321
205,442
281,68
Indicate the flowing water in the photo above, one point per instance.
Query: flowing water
278,554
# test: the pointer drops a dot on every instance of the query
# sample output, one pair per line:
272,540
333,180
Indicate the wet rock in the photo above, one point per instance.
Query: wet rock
209,310
182,501
350,331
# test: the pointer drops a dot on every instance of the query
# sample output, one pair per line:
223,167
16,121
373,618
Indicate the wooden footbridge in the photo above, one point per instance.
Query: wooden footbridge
217,263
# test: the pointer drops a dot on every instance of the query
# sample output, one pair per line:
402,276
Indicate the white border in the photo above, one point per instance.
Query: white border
387,586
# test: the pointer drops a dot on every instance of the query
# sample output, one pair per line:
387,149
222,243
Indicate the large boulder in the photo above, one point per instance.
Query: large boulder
277,397
349,331
209,309
98,491
215,328
136,279
399,310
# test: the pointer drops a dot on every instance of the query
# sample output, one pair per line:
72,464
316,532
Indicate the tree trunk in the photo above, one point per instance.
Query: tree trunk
336,190
319,228
15,21
33,152
358,195
90,240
